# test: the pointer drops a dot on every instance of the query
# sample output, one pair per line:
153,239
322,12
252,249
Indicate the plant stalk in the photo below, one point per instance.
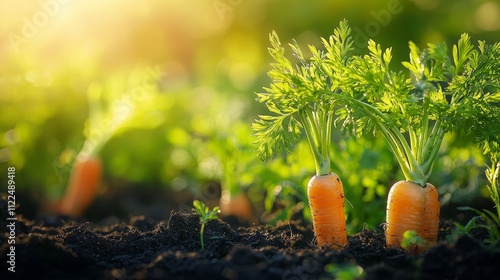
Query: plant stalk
202,229
318,135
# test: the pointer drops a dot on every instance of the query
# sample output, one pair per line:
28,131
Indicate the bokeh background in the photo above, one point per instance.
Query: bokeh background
179,78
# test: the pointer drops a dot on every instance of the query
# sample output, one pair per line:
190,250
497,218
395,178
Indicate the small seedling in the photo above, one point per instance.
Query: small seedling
205,215
412,242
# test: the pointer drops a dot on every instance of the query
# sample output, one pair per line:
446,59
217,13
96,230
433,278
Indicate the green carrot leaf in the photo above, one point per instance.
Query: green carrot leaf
298,97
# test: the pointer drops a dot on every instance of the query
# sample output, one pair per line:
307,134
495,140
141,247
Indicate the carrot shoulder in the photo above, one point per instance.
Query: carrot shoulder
84,180
326,200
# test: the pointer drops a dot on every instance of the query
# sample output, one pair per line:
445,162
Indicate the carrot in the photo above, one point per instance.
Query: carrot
412,207
84,180
326,200
237,205
405,211
300,106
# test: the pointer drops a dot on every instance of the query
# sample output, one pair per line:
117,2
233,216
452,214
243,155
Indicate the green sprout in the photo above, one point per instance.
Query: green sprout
205,215
411,240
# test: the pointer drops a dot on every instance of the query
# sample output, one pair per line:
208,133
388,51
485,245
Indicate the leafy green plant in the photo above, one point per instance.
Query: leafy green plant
486,132
486,219
206,215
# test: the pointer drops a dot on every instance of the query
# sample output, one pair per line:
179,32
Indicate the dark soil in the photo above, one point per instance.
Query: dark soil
144,248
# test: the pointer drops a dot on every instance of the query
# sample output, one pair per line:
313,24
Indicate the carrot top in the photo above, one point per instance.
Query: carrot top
413,114
298,98
459,93
118,104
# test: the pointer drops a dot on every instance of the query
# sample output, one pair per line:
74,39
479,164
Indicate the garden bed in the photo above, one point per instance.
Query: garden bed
144,248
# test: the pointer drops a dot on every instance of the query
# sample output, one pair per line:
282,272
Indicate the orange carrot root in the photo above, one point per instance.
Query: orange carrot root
82,186
411,207
405,211
326,200
238,206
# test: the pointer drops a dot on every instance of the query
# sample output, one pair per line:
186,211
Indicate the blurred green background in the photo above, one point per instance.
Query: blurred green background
183,74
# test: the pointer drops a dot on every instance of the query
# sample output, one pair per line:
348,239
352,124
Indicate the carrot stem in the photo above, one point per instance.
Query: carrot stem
202,229
424,135
398,145
318,136
404,154
414,144
427,166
